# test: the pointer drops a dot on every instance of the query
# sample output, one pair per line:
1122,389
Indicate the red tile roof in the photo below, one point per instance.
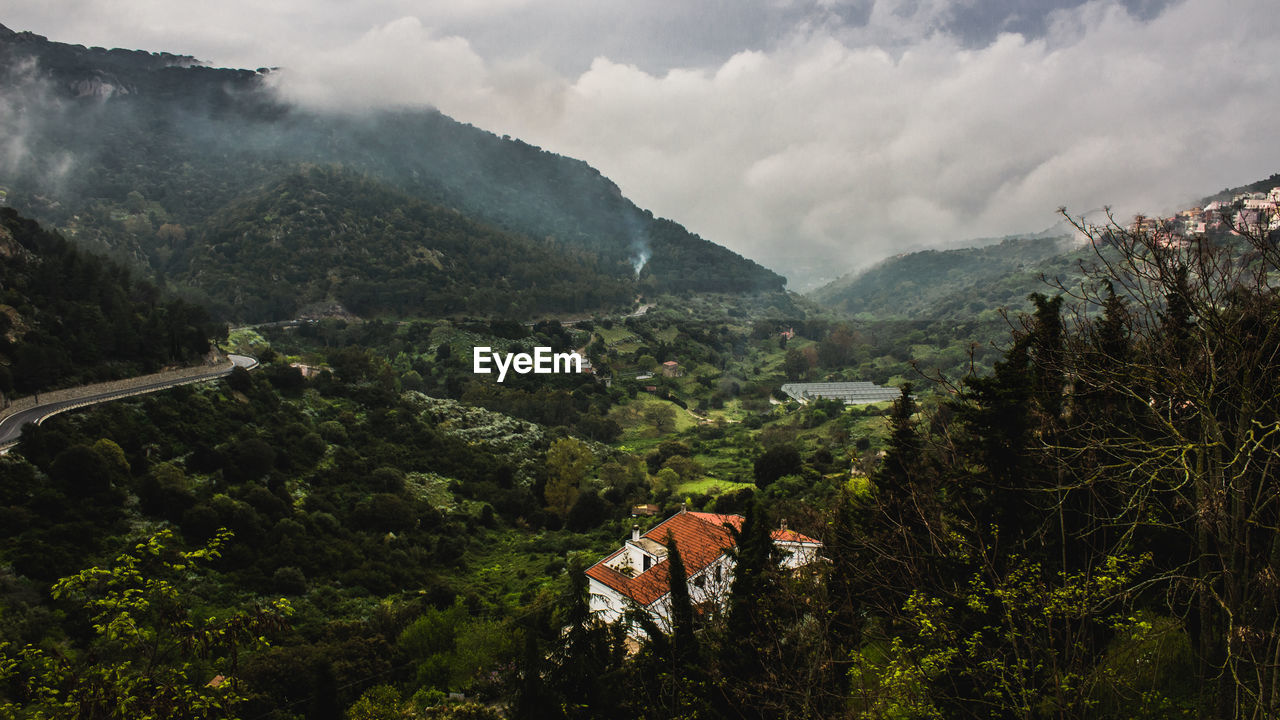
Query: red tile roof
792,536
702,537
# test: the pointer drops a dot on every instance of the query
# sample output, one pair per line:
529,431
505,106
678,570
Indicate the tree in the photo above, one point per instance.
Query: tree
586,667
686,467
837,349
567,464
668,670
661,416
684,643
884,540
776,462
1192,367
380,702
150,654
795,365
749,627
240,380
902,460
588,511
666,450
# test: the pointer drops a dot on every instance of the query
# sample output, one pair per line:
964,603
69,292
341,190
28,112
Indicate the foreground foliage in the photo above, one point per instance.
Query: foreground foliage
150,655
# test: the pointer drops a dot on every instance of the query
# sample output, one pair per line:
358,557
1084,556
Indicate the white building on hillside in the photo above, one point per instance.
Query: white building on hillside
636,575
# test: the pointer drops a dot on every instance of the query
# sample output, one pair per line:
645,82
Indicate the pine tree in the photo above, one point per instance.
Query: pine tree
1046,355
903,456
993,439
845,586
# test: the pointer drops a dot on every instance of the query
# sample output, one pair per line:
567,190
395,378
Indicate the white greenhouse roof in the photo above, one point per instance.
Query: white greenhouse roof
850,393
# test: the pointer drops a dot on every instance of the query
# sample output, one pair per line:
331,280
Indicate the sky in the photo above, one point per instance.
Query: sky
814,136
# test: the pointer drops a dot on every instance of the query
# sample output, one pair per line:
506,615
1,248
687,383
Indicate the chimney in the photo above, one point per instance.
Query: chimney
635,533
784,525
682,508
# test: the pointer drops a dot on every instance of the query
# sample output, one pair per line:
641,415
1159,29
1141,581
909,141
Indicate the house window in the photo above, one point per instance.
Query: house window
699,581
647,562
717,573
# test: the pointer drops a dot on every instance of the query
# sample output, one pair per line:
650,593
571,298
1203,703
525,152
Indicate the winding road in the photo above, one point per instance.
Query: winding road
11,426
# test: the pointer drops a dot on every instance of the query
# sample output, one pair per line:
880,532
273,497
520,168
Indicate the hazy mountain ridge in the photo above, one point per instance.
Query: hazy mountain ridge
961,283
101,73
1229,193
932,283
114,145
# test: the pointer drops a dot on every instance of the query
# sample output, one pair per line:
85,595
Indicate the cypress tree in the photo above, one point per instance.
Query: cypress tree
749,625
846,586
685,644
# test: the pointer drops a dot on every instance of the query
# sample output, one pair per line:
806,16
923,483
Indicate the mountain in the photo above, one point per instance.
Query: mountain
1227,194
326,233
149,156
962,284
932,284
67,317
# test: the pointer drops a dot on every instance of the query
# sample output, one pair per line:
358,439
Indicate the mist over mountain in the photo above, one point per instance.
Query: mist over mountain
960,283
965,283
149,156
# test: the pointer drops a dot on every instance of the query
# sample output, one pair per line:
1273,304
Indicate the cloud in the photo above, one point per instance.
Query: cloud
812,135
822,153
400,63
26,108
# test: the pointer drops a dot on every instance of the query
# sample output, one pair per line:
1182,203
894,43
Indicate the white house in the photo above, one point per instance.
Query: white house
636,575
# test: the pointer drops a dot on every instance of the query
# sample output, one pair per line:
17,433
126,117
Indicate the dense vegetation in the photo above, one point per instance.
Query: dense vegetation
1087,531
328,235
942,284
413,536
1092,532
68,317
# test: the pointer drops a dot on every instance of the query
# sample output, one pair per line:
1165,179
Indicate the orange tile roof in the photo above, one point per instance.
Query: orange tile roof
792,536
702,537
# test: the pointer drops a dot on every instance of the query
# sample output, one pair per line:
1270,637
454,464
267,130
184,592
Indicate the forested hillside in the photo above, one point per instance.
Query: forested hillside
327,234
68,317
133,153
949,284
416,540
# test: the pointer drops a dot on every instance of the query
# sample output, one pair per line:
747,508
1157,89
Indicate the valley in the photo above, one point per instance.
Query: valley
1052,493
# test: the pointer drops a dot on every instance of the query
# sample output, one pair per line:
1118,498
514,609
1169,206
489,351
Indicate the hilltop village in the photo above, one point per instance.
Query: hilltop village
1243,211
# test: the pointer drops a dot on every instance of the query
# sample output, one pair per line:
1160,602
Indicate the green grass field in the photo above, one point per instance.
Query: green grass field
637,432
711,486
